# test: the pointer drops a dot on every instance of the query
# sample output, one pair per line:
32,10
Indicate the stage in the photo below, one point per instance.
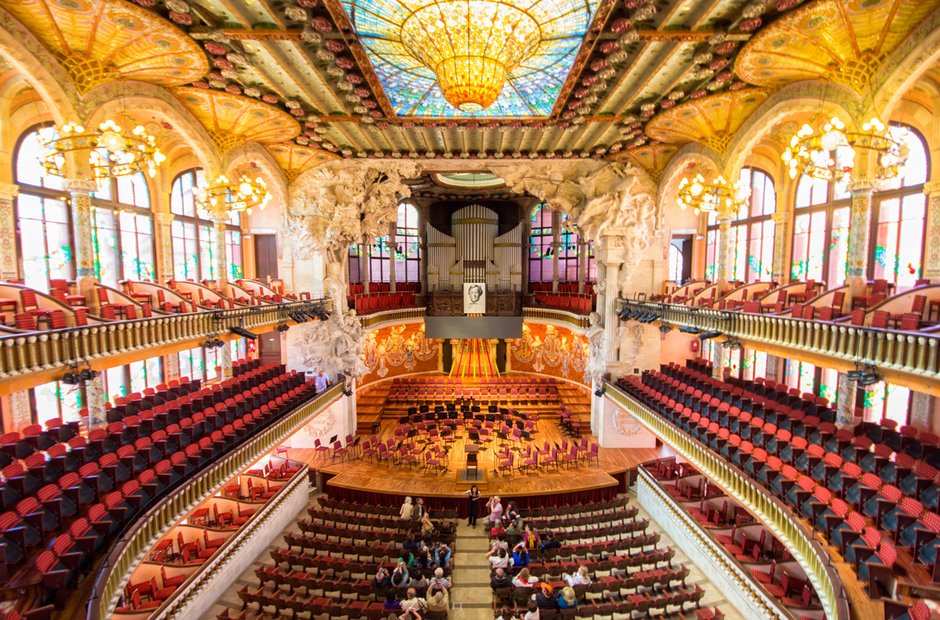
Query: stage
386,482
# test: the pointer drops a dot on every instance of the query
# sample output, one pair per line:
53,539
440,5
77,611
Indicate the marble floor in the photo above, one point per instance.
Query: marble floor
471,598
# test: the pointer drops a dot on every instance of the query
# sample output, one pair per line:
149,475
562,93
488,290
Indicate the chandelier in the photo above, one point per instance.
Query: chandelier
830,153
471,46
222,194
706,197
111,150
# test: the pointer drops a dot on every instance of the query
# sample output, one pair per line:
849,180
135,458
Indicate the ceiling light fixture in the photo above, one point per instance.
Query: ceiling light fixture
111,150
471,46
706,196
243,195
830,152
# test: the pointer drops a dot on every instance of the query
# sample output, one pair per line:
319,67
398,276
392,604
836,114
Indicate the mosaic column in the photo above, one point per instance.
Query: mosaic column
932,244
859,223
526,253
20,416
225,362
9,269
220,218
80,193
171,366
718,360
556,246
724,243
94,393
582,265
922,406
164,231
779,269
423,262
845,401
366,267
392,229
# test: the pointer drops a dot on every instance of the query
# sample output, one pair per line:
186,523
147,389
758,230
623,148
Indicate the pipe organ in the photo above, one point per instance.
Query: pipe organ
474,253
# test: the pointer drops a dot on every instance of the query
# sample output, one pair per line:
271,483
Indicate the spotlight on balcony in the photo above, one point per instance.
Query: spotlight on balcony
733,344
244,333
665,328
282,327
685,329
709,335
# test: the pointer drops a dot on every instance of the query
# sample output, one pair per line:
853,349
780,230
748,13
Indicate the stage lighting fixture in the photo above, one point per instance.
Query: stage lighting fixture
282,327
625,314
244,333
685,329
732,344
347,391
665,328
71,378
87,374
869,379
709,335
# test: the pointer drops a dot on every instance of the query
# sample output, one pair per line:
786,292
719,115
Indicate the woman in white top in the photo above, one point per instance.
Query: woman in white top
580,578
405,512
498,557
525,580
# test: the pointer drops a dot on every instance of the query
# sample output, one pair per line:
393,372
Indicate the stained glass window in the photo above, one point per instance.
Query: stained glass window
56,400
122,230
751,242
407,245
899,218
43,219
820,232
540,244
530,89
886,401
195,242
355,269
675,264
800,375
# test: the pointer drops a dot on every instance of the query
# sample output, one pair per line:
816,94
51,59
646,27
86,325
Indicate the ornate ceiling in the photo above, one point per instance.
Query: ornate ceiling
315,79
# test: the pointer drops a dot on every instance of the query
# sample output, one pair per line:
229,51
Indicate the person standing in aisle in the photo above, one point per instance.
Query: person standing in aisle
474,495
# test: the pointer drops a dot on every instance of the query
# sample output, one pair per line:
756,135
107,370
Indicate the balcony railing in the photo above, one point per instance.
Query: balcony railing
562,317
34,352
797,538
911,353
127,551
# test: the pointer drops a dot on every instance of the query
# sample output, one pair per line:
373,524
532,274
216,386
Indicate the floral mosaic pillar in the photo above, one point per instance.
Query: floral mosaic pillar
859,223
20,416
718,360
8,264
392,231
220,218
94,393
845,401
164,230
171,366
932,246
225,361
781,235
556,248
724,243
922,405
80,193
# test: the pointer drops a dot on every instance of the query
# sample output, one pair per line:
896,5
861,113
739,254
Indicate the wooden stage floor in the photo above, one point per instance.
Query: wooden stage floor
362,474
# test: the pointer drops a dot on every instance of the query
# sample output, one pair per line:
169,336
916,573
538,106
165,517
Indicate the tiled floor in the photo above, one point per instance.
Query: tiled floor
471,598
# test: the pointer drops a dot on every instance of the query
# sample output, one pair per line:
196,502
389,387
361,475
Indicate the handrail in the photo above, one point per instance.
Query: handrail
128,548
772,512
32,352
746,585
578,321
392,316
913,353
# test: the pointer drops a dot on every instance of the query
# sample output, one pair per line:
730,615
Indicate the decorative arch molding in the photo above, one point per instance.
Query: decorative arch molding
23,51
917,53
808,96
252,154
140,96
690,155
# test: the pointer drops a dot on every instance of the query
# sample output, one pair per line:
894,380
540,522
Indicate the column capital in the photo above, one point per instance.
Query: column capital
780,217
80,186
932,187
163,217
9,191
862,186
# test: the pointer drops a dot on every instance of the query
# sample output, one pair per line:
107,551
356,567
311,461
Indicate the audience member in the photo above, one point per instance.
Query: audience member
498,558
427,528
500,579
438,598
381,579
544,597
511,513
566,599
321,382
417,510
442,555
549,542
580,578
532,611
391,602
495,507
474,499
420,583
400,576
440,579
520,555
506,614
413,603
524,579
406,508
514,531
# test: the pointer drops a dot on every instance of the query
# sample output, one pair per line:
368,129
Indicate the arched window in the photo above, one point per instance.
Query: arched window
820,231
194,237
751,242
540,244
898,219
407,245
122,230
43,218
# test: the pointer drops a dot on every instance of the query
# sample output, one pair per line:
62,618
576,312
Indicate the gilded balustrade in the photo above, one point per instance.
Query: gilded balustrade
400,315
777,517
913,353
126,551
562,317
21,354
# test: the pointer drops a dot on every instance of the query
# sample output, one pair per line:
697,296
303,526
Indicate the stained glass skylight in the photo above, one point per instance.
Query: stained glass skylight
531,88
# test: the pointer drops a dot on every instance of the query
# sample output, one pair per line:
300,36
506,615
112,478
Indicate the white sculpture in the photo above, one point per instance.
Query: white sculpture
597,351
334,345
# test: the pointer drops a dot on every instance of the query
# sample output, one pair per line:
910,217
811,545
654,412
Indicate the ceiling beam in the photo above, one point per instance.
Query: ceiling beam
678,36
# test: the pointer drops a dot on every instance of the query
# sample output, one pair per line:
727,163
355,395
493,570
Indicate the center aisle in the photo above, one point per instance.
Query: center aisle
471,597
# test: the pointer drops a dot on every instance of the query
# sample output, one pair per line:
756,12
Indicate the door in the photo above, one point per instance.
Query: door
265,256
